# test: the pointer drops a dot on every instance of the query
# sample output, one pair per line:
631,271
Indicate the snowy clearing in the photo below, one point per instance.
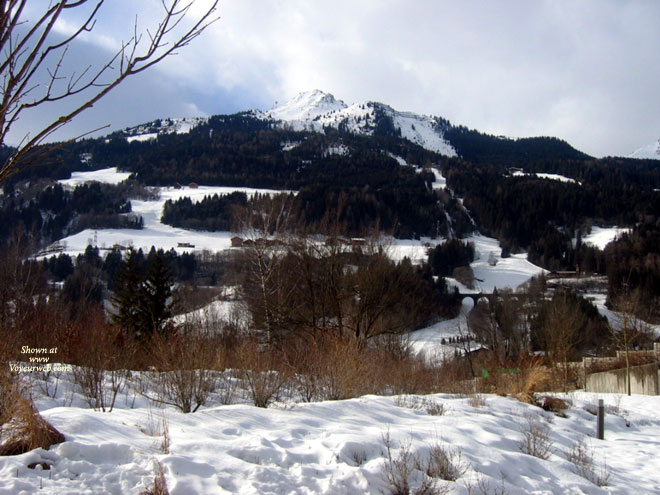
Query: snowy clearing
142,137
542,175
509,272
335,447
601,236
156,233
105,175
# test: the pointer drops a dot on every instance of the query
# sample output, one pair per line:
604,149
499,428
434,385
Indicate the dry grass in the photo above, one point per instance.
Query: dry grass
26,429
160,483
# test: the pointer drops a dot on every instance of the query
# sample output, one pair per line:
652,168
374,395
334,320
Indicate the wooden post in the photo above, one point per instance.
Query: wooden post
601,420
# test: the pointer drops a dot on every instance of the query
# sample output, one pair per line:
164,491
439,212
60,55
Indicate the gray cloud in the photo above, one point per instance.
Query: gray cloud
586,71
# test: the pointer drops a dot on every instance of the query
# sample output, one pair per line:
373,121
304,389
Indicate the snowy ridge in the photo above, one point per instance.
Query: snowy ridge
314,110
650,151
152,130
307,106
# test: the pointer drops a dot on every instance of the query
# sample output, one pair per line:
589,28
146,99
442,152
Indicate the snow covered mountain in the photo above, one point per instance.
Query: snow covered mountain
152,129
314,110
650,151
307,107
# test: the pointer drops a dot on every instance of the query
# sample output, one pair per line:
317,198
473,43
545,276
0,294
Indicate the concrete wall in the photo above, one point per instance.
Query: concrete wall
643,380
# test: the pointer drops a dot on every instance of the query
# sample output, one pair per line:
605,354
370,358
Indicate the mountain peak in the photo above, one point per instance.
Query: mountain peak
306,106
314,110
651,151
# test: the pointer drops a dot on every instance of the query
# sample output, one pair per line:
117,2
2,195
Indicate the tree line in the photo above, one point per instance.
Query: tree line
53,212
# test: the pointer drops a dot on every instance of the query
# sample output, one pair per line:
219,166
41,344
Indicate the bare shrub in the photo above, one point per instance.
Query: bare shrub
359,457
443,463
477,400
432,407
582,457
304,361
346,369
398,469
165,433
402,371
48,381
226,380
185,379
160,483
332,368
536,438
262,372
485,488
102,353
226,387
403,470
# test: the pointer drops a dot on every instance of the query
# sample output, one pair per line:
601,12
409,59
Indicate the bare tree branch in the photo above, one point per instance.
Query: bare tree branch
29,53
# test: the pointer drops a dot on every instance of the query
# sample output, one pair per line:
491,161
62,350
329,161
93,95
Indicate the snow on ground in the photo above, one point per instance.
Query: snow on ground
617,319
421,130
428,342
508,273
214,312
543,175
163,126
105,175
156,233
334,447
440,182
414,249
601,236
142,137
337,149
400,160
289,145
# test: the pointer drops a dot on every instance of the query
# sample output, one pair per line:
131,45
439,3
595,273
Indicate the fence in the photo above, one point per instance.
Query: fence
643,380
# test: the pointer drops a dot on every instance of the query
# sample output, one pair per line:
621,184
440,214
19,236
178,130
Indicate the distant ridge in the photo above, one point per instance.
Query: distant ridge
314,110
650,151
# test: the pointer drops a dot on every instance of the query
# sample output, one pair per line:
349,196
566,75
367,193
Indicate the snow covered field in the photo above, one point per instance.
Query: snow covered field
335,447
106,176
154,232
601,236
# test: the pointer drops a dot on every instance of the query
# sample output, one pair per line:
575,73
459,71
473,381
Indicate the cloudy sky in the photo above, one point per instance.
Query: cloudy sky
586,71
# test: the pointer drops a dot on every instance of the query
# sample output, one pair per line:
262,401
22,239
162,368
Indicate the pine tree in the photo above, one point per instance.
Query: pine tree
127,293
156,293
143,299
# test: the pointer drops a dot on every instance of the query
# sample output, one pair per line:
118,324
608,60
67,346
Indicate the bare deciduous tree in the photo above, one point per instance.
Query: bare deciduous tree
631,329
32,47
